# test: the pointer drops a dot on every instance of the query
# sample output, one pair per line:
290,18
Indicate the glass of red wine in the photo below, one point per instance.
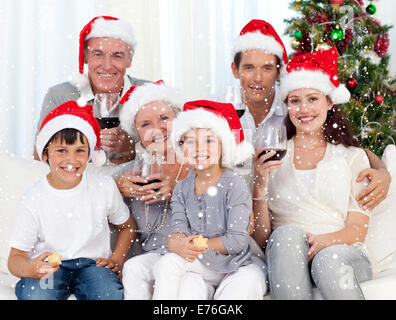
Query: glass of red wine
271,138
234,95
146,165
108,113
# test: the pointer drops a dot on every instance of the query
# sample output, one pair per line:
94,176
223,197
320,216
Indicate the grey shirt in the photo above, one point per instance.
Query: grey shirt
222,212
154,241
150,241
65,91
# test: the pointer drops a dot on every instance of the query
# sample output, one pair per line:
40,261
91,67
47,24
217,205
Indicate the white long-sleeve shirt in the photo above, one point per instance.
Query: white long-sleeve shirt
325,208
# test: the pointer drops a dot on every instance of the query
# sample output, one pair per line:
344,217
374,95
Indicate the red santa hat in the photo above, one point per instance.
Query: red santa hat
259,34
317,70
138,96
105,27
223,120
71,115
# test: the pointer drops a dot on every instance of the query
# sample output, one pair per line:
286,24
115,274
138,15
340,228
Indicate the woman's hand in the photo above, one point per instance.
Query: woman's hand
316,243
158,191
183,246
262,169
126,184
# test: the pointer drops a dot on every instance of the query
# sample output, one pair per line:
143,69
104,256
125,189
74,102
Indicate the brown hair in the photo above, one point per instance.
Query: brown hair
238,58
68,135
336,129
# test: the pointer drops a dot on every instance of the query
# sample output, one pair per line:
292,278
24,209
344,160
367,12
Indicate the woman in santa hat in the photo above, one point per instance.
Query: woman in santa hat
210,209
319,228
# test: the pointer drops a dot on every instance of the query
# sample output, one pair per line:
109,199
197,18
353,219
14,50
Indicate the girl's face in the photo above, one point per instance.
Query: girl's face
67,162
202,149
154,123
308,109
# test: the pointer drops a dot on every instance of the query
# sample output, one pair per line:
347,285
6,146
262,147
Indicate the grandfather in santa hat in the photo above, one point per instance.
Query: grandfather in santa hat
106,46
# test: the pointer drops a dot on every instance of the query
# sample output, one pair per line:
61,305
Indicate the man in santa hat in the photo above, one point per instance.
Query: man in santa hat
107,45
258,57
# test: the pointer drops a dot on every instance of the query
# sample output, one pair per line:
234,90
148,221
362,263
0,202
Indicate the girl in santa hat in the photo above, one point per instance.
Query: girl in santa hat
319,228
210,208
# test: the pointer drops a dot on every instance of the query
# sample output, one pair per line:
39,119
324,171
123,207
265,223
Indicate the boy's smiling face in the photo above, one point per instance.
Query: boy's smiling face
67,162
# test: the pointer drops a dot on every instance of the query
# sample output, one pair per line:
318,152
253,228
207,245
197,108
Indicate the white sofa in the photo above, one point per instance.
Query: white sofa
17,174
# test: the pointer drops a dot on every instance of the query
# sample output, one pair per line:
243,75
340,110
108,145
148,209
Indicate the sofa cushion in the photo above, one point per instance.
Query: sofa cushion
16,176
381,235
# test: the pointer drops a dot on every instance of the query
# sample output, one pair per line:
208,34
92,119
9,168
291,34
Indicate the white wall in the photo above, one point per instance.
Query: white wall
187,43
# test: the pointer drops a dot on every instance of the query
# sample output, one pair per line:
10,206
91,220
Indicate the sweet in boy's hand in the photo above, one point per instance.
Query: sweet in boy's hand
55,258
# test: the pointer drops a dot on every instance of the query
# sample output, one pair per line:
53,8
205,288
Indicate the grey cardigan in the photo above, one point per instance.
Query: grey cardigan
224,213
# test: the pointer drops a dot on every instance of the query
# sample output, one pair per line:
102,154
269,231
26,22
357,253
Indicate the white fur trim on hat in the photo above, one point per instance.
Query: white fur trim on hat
257,40
319,80
117,29
62,122
142,95
232,153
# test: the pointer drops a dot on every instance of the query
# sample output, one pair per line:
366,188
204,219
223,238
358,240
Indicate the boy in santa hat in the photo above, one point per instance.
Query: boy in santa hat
68,212
106,46
212,203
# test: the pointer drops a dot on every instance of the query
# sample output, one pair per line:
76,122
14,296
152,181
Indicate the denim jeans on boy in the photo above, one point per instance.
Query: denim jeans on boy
336,270
80,277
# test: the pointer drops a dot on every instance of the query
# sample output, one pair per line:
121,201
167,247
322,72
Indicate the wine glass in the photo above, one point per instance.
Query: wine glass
272,138
145,165
236,96
108,113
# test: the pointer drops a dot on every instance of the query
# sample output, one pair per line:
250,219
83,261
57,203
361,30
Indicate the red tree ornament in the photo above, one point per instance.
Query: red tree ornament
351,83
339,2
379,99
382,44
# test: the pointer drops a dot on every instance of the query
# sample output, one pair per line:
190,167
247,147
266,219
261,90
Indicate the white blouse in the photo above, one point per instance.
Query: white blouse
307,178
324,209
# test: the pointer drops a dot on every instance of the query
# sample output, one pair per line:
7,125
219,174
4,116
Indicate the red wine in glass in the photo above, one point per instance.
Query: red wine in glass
280,153
240,112
148,182
108,122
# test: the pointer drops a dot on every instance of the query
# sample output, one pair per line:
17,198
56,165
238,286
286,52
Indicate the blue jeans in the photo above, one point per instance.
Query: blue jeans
336,270
80,277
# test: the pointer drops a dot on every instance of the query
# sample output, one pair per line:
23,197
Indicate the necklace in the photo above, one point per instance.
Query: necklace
164,213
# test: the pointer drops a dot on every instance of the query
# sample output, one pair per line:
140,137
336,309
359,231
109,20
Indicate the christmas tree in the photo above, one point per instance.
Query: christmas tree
362,43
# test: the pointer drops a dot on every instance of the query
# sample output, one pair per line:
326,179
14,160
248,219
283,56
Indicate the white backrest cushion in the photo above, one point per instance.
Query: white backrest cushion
381,235
16,176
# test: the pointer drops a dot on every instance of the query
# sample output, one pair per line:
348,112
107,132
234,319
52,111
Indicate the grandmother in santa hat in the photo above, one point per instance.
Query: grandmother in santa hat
106,46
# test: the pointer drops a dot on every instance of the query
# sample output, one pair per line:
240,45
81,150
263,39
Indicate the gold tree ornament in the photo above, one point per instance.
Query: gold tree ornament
295,44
